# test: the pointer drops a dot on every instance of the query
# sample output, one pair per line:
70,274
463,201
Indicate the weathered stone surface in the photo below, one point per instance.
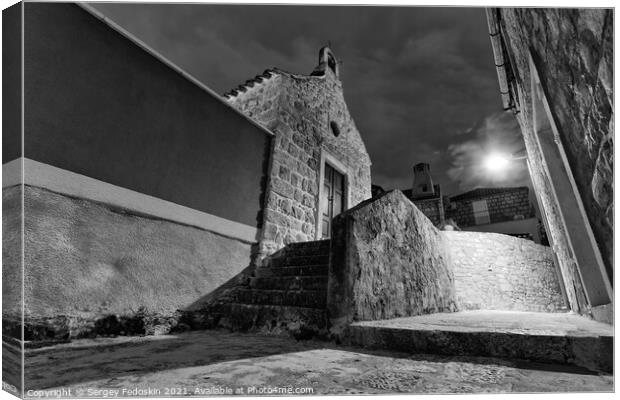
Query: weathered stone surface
549,338
85,263
500,272
299,110
40,331
388,260
432,209
573,50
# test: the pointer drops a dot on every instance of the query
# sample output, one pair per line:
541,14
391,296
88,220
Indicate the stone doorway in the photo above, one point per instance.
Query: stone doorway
332,198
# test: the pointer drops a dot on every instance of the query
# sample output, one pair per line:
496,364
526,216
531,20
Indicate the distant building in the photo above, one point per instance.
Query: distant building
423,186
425,194
502,210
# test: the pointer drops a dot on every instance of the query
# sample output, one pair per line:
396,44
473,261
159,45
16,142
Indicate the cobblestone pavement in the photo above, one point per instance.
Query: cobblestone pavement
203,362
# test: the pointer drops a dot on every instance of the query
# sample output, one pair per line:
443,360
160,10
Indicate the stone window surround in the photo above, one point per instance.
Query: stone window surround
330,159
542,107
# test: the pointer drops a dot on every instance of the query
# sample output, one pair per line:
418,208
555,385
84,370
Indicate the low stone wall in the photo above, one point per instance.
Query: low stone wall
500,272
85,262
519,226
387,261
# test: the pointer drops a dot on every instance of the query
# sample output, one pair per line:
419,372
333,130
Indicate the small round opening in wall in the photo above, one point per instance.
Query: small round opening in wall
335,128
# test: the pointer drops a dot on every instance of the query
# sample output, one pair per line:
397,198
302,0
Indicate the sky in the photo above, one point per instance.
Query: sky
419,82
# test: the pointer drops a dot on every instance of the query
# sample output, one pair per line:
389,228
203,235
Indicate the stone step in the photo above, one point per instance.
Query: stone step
290,283
297,298
304,252
300,322
286,261
541,337
307,270
317,244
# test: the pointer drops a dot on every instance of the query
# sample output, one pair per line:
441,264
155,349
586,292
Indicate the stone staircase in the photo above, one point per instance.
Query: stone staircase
285,295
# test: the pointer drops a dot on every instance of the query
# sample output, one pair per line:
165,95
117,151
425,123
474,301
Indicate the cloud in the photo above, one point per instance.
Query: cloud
497,133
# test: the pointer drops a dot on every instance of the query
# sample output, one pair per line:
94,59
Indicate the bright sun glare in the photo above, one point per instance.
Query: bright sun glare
496,162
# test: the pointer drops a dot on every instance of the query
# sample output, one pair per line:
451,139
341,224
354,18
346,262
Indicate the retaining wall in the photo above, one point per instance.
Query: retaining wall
387,261
499,272
85,260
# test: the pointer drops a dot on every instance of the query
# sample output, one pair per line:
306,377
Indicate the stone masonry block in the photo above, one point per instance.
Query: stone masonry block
387,261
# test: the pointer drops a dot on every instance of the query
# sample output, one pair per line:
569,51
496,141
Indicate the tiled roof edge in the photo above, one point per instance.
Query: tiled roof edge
266,75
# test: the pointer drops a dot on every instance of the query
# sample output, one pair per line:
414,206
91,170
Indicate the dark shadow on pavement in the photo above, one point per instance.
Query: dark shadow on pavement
94,359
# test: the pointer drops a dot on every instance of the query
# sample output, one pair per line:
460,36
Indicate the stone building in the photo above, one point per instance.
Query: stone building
555,71
500,210
504,210
319,165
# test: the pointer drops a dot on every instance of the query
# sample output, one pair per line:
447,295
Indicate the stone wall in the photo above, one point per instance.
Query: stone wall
387,261
498,272
432,208
573,50
83,259
503,205
300,111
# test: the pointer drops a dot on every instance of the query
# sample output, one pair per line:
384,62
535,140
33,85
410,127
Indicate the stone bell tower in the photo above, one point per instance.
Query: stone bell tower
422,181
327,60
